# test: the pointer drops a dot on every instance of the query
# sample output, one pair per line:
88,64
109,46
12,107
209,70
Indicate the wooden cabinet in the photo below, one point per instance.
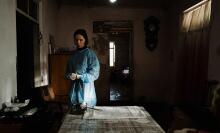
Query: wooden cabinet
57,69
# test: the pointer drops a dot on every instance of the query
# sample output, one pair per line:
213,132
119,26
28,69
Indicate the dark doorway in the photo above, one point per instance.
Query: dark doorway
120,60
114,46
25,57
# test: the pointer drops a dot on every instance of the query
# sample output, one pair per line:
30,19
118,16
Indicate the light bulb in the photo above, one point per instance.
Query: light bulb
112,1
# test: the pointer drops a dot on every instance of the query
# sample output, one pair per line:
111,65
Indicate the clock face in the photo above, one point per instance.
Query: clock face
152,27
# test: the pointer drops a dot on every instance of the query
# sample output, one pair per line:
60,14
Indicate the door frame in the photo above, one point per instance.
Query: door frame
131,96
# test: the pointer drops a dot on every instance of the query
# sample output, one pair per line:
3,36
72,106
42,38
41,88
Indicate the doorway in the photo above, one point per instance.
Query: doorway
120,64
113,44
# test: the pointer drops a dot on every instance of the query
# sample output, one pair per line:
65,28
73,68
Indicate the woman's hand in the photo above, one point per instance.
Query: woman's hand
73,76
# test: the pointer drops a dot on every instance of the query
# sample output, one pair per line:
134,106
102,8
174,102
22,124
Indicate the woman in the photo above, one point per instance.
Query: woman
82,69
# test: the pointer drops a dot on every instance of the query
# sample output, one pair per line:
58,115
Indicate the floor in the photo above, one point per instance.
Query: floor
43,123
119,87
119,92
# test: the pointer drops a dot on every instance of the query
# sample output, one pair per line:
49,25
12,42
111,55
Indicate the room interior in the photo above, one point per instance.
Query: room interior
152,68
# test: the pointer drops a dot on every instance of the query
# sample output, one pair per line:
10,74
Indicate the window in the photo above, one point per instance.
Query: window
29,8
111,54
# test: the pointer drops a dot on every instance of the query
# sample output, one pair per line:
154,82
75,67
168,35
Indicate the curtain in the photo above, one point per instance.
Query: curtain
193,61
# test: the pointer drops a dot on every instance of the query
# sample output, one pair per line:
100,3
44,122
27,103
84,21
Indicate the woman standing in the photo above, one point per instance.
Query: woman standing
82,69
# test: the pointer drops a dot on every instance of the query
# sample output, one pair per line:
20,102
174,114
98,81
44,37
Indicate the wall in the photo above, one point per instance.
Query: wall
47,22
214,49
152,70
8,52
173,26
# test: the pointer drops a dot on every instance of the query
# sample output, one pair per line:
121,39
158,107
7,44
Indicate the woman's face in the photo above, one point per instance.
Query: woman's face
79,41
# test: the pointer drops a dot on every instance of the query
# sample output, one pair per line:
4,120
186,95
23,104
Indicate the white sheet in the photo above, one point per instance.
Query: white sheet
116,112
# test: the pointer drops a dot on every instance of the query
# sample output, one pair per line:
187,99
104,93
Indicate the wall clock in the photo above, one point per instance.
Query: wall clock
151,27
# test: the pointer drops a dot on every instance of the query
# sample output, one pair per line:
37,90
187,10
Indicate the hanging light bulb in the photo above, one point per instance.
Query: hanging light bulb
112,1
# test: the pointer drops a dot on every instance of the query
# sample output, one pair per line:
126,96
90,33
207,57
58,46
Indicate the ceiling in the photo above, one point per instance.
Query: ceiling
120,3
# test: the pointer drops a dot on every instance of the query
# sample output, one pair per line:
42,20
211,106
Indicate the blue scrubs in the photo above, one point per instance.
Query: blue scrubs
85,63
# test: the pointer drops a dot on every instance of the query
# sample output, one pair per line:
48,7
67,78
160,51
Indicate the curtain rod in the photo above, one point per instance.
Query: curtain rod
195,6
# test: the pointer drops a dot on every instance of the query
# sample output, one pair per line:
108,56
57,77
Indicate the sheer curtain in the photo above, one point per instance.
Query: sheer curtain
193,61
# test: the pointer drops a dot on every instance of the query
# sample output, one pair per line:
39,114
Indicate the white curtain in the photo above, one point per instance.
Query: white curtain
197,18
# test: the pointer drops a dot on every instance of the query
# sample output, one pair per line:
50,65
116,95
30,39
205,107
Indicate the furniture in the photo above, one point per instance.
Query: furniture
22,121
57,69
57,91
193,117
129,119
14,121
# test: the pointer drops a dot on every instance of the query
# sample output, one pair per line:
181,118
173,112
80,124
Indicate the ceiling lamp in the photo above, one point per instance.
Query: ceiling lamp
112,1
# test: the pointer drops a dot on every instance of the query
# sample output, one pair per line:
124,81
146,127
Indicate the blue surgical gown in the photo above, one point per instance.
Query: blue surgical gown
85,63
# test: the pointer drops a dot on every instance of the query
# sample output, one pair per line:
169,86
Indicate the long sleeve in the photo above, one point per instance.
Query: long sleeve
92,71
85,64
